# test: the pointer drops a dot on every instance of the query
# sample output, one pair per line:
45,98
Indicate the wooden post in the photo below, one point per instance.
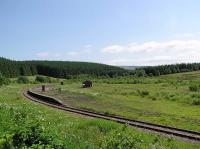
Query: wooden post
43,88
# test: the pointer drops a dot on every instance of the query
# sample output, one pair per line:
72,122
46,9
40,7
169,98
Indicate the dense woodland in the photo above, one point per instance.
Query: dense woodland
168,69
60,69
65,69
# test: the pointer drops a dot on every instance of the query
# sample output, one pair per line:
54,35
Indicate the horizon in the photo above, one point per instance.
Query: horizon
122,33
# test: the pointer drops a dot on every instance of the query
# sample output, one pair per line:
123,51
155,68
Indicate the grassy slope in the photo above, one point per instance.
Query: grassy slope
169,100
19,117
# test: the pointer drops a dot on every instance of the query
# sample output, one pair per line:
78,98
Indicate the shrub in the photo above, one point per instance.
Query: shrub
121,139
59,90
23,80
4,80
43,79
68,77
140,73
153,98
25,130
195,95
196,102
31,134
48,80
150,74
40,79
6,142
193,88
135,82
143,93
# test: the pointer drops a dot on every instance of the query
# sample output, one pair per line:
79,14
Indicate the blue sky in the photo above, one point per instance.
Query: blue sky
116,32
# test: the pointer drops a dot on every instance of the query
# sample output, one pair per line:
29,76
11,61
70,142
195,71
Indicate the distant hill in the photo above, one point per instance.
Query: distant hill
61,69
162,69
168,69
130,67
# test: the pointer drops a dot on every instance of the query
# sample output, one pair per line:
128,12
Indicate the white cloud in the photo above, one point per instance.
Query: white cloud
113,49
153,52
153,46
134,53
42,54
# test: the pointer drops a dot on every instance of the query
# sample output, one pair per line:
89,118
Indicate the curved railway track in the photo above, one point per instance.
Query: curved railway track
55,103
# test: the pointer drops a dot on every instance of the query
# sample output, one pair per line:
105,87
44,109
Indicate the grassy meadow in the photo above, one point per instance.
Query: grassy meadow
170,100
25,124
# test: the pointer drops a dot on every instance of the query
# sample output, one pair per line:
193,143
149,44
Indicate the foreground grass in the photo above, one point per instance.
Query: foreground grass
25,124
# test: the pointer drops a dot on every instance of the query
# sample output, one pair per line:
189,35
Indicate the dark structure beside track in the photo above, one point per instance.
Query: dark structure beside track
45,98
87,84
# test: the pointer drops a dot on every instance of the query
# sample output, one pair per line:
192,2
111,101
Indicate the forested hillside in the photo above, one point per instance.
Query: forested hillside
61,69
168,69
66,69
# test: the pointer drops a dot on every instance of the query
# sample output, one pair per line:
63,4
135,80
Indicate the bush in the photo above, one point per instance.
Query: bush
25,130
196,102
40,79
23,80
153,98
48,80
30,135
122,139
193,88
134,82
4,80
195,95
68,77
140,73
143,93
6,142
43,79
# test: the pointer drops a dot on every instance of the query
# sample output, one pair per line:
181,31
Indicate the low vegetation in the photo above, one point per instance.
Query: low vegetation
42,79
4,80
25,124
23,79
194,88
169,100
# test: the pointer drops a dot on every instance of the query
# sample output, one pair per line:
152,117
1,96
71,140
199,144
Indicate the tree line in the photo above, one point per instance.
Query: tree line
59,69
68,69
167,69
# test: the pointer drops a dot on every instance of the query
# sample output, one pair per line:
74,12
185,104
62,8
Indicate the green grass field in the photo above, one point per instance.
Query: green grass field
164,100
25,124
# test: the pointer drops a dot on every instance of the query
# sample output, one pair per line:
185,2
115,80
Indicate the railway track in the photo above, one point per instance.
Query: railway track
55,103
